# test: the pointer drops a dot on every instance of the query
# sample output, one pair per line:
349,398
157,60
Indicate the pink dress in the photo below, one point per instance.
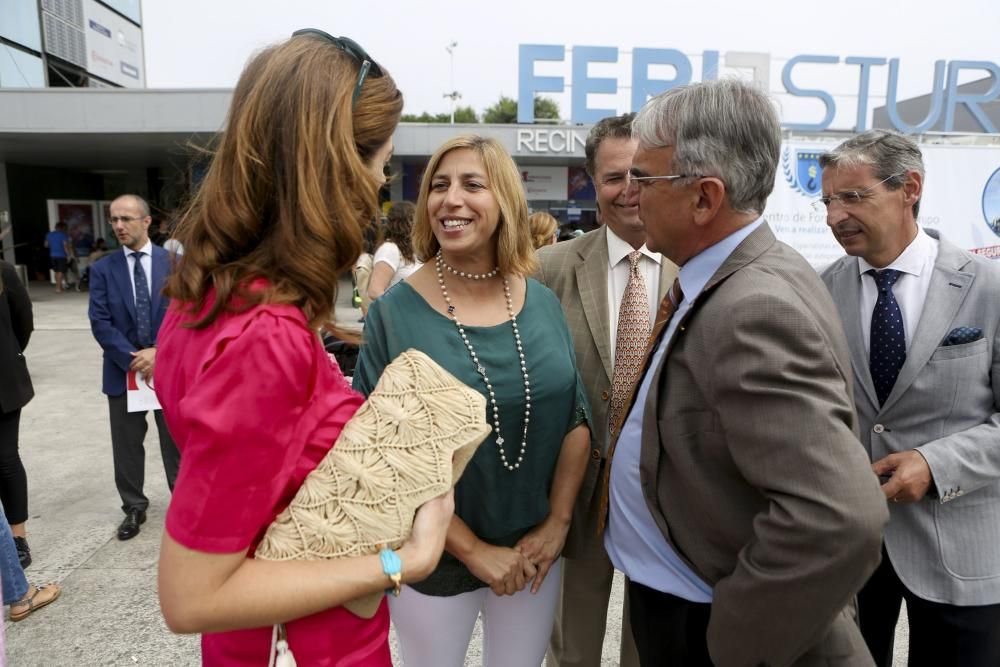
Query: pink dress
254,404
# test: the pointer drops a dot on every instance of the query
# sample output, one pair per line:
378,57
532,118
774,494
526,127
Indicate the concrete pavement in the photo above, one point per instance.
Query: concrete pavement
108,613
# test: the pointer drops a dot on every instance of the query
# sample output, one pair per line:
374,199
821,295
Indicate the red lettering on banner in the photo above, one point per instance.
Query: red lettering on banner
990,252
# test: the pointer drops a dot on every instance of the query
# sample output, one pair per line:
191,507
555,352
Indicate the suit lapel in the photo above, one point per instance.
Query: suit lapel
747,251
592,279
124,282
159,273
948,289
668,272
846,294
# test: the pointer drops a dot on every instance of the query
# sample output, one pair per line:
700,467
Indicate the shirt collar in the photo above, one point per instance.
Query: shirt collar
912,260
698,270
619,250
148,249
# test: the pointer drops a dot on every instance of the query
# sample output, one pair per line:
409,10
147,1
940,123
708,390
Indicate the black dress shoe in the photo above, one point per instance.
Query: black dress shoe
129,528
23,551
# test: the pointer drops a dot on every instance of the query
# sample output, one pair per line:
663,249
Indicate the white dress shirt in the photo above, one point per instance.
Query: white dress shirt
916,266
618,270
147,266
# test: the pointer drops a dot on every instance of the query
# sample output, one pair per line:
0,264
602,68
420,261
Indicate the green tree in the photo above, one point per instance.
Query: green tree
466,115
425,118
462,115
546,108
505,110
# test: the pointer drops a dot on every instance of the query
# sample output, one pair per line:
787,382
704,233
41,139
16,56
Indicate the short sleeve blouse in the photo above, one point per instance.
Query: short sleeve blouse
254,403
389,254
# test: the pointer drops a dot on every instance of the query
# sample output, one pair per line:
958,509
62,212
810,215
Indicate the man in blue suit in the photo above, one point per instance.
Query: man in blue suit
126,310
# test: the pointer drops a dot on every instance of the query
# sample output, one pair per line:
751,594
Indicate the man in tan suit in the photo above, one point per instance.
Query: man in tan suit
742,507
590,275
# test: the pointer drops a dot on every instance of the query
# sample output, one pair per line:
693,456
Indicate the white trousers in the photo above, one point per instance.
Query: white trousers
435,631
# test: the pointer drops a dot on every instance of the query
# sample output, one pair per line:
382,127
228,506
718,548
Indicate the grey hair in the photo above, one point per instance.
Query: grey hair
889,154
725,128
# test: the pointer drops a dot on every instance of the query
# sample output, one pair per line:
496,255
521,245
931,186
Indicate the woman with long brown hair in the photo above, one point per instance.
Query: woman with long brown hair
248,392
394,260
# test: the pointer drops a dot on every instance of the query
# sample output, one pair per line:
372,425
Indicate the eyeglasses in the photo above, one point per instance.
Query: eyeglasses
646,180
121,218
353,49
848,197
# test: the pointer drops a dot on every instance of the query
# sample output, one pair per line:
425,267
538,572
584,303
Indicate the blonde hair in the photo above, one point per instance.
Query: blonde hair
515,252
289,179
543,228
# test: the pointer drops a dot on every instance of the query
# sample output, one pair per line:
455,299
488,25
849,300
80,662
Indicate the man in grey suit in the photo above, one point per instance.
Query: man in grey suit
922,321
590,275
741,506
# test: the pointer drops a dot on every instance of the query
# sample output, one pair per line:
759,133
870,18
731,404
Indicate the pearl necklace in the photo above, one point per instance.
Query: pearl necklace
463,274
482,371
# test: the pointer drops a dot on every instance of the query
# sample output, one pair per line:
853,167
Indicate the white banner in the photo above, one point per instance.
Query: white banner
114,46
545,182
961,199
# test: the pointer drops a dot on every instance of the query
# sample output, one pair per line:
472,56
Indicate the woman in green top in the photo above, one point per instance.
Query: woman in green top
472,309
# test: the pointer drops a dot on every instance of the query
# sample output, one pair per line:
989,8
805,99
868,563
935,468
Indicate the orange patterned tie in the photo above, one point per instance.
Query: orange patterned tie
666,311
630,344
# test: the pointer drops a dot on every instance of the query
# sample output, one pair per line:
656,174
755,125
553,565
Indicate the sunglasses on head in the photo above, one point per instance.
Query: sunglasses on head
353,49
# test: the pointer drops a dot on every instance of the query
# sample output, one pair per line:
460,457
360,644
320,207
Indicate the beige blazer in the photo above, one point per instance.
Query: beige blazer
751,466
577,271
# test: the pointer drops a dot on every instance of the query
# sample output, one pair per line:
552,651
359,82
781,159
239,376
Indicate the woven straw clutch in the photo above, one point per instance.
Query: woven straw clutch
408,443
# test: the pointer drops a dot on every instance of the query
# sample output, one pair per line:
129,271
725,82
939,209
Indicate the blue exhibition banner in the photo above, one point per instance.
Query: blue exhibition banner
945,96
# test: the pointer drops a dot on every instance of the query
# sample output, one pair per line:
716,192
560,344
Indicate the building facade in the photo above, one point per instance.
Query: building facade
78,127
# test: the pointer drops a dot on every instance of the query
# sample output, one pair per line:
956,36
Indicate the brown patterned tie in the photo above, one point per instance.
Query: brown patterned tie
630,344
666,311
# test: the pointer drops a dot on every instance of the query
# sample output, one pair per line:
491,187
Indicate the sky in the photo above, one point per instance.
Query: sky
205,43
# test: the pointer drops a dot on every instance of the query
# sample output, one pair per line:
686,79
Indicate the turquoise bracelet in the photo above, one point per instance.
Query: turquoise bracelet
392,566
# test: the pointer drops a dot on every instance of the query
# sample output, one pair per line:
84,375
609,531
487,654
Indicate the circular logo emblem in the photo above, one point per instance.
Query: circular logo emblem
991,202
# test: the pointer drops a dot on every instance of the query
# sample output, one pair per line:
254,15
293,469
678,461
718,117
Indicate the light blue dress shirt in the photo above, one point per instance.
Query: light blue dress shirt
632,539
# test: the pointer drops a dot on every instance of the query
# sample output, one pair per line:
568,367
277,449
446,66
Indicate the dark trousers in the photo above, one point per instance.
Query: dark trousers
128,431
13,480
668,630
941,635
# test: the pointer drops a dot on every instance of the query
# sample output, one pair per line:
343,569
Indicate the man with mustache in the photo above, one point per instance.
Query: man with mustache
921,317
126,310
740,504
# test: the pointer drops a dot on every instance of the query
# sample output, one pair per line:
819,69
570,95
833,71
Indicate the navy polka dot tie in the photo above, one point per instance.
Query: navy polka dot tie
143,305
888,339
